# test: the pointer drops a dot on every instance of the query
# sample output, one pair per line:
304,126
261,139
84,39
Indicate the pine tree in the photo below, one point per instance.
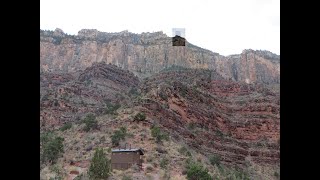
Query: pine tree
100,165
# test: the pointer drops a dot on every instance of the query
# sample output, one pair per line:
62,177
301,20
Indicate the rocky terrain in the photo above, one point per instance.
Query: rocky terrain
66,97
149,53
200,109
228,118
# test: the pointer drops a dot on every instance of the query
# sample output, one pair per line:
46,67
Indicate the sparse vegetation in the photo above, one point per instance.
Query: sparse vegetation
126,177
88,82
164,162
241,102
204,103
118,135
80,177
134,92
233,173
112,108
192,126
100,165
195,171
58,170
102,139
109,150
56,178
90,122
140,117
214,160
135,168
219,133
163,95
66,126
183,90
51,147
184,151
156,133
161,150
149,168
238,174
55,103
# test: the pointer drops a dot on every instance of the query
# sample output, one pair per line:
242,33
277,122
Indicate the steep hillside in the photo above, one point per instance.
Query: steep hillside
202,113
227,118
149,53
66,97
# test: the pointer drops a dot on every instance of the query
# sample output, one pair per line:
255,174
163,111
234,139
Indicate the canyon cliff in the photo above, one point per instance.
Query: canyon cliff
148,53
220,111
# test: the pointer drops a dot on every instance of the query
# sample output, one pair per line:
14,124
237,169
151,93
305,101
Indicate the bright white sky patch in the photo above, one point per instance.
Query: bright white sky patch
224,26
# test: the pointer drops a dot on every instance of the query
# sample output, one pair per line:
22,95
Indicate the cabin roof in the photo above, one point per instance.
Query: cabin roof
128,150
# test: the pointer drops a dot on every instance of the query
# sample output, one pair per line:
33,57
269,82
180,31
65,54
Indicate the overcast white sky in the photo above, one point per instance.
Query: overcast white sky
222,26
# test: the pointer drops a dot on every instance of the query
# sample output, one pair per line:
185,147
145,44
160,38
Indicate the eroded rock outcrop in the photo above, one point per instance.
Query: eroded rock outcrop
214,115
149,53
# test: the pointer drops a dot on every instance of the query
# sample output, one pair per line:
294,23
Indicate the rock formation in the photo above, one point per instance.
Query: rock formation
148,53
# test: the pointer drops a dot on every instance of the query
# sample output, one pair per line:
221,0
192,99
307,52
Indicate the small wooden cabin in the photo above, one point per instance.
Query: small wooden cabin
123,159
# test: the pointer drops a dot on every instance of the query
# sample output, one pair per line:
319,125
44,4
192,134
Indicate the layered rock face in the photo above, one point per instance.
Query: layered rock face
214,115
149,53
67,97
209,113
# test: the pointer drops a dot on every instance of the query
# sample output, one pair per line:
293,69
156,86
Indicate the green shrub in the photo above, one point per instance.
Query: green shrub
99,166
125,177
80,177
149,168
183,91
239,174
118,135
90,122
164,162
134,92
56,178
214,160
219,133
123,130
66,126
112,108
156,133
109,150
102,139
196,171
163,96
234,173
191,126
140,117
184,151
51,147
58,171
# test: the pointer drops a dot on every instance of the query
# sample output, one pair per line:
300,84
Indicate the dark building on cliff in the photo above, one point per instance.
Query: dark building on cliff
122,159
178,41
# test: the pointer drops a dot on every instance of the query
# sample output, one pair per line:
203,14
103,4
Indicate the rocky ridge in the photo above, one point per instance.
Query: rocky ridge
149,53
